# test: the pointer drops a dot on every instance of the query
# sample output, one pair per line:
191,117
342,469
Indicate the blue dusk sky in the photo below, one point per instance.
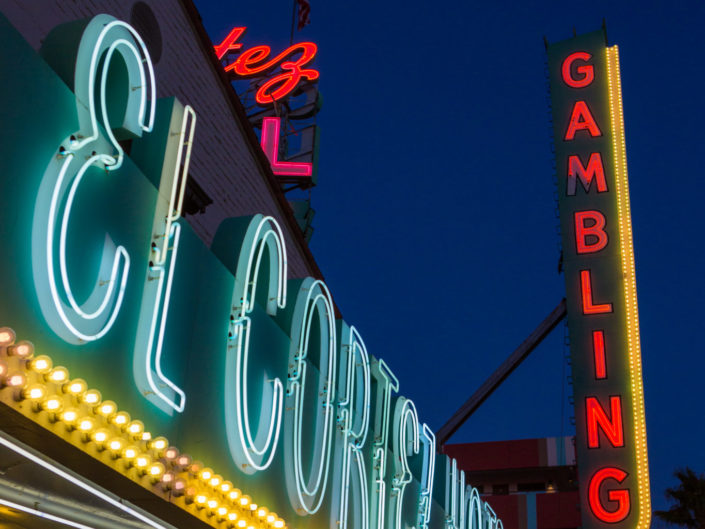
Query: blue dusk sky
435,221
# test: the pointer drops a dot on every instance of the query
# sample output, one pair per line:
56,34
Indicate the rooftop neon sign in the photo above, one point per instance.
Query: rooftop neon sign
256,61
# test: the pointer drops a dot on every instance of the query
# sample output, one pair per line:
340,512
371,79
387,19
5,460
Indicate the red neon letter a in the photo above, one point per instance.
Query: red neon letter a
596,230
594,171
596,416
581,119
586,290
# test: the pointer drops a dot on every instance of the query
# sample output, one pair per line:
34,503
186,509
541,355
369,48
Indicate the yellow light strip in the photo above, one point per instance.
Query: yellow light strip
47,395
632,310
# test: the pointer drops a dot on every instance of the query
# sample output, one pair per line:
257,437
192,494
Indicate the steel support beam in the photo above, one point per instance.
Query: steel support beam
502,372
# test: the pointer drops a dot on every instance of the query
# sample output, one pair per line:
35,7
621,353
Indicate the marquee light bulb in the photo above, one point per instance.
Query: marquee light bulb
86,424
7,336
242,523
121,418
171,453
261,512
23,349
116,445
183,460
3,369
69,416
179,485
16,381
225,486
234,494
212,503
135,428
271,518
244,501
279,524
200,500
168,478
232,516
146,436
142,461
206,474
35,392
41,364
100,436
58,375
222,511
107,408
130,453
215,481
253,507
53,404
156,470
76,387
92,397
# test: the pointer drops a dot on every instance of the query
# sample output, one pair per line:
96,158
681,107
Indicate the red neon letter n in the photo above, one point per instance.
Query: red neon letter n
612,428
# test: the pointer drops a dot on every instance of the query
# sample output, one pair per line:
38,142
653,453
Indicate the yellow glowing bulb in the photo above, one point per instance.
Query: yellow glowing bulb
234,494
92,397
250,527
100,436
271,518
35,392
225,486
86,424
201,499
52,404
171,453
76,386
261,512
222,511
69,416
212,503
168,477
16,380
135,428
116,444
245,500
156,470
232,516
253,507
159,443
206,474
130,453
142,461
7,336
241,523
121,418
279,524
42,364
215,481
107,408
58,375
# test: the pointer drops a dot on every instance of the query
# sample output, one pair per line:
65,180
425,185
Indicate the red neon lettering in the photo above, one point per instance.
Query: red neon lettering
596,231
270,146
595,171
611,428
598,349
587,72
229,42
620,496
586,290
581,119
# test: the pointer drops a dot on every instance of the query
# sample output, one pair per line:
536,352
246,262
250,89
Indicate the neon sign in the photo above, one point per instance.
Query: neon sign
601,290
247,371
255,61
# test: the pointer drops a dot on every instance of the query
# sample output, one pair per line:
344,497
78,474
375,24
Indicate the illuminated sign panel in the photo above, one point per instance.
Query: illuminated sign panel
203,375
601,290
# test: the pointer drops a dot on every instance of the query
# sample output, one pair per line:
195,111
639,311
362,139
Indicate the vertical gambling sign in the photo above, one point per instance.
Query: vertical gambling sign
598,259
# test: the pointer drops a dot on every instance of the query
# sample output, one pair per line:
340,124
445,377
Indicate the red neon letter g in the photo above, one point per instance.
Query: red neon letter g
620,496
587,71
596,231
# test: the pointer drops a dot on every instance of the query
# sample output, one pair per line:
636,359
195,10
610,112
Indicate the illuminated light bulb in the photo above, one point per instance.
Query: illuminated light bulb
232,516
234,494
142,461
244,501
130,453
76,387
261,512
121,418
7,336
168,477
215,481
225,486
107,408
279,524
200,500
116,445
53,404
92,397
206,474
58,375
100,436
3,369
146,436
16,380
159,443
41,364
195,467
179,486
156,470
23,349
212,503
250,527
253,507
222,511
171,453
35,392
135,428
69,416
271,518
242,523
86,424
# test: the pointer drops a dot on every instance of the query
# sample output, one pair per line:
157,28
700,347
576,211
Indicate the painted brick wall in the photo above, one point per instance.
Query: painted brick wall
222,161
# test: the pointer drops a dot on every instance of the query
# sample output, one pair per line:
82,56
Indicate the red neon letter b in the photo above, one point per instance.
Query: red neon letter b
592,238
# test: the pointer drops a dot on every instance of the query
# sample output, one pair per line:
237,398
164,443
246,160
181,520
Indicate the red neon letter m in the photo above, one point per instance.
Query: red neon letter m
612,428
594,171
